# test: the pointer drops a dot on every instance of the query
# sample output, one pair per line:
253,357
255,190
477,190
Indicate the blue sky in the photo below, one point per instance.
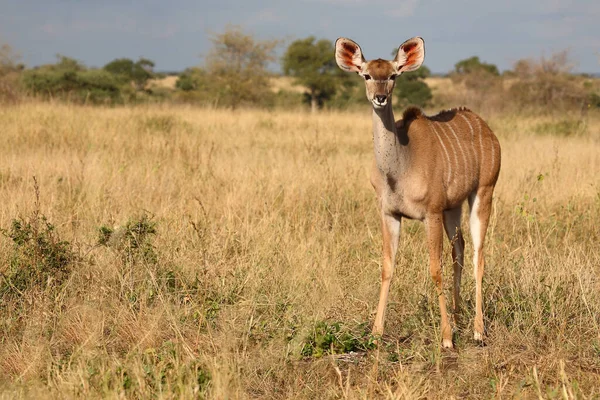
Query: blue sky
175,34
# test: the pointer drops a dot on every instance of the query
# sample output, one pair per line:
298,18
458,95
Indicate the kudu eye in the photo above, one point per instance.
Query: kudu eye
367,77
393,77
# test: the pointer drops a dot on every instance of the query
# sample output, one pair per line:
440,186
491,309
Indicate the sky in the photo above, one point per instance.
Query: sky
176,34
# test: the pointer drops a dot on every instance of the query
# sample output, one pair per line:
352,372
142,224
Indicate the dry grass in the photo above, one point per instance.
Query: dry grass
265,225
277,83
168,82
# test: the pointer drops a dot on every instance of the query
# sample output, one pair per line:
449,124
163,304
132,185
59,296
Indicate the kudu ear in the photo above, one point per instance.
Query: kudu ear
410,55
348,55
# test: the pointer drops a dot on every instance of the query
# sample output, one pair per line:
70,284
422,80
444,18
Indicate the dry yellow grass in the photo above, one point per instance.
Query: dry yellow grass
286,83
265,225
168,82
277,83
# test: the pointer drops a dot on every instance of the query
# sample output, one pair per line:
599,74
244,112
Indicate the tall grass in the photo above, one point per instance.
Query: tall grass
207,251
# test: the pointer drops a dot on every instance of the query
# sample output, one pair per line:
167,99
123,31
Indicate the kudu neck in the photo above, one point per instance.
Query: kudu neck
390,145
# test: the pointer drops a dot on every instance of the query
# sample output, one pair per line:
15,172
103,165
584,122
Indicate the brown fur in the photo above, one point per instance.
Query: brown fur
380,69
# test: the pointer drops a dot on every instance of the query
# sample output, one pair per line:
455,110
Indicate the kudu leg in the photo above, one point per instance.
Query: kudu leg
434,237
481,207
454,233
390,227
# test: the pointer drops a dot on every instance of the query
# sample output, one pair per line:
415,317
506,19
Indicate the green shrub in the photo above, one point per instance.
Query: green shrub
564,127
132,241
334,338
95,86
412,92
40,260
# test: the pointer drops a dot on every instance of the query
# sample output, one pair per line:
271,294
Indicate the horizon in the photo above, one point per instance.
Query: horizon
176,35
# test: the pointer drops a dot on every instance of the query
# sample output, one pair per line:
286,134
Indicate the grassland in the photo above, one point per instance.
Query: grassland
177,252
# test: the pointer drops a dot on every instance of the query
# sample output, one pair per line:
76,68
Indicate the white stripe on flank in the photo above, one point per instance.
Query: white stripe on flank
451,145
480,142
459,146
493,149
445,151
472,139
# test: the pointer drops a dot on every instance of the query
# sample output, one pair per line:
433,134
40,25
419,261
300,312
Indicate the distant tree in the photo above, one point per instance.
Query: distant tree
477,75
549,83
312,63
138,72
71,80
413,92
65,63
9,60
10,69
236,68
474,65
191,79
411,88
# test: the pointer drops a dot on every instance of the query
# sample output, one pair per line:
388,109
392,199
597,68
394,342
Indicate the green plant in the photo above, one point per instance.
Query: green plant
332,338
40,260
236,68
309,61
412,92
127,71
564,127
132,241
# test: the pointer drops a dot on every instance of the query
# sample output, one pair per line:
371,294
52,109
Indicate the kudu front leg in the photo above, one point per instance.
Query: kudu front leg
390,227
434,224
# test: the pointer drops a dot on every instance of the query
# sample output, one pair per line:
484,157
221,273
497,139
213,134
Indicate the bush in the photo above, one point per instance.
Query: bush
236,69
95,86
41,262
412,92
133,241
128,72
548,84
10,70
334,338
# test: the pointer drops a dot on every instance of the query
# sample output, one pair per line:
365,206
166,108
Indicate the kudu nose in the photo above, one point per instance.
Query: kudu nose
380,98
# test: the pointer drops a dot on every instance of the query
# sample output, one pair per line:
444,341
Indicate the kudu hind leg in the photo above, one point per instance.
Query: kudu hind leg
480,207
454,233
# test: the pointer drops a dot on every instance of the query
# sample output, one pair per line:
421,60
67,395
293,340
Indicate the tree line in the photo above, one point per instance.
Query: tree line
237,72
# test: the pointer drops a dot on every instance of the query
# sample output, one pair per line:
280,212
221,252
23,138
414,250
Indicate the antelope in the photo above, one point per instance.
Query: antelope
424,169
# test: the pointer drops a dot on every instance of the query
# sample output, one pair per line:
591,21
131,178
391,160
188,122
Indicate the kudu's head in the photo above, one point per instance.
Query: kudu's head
379,75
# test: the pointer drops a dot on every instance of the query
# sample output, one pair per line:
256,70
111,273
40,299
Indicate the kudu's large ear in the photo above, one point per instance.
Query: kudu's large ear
410,55
348,55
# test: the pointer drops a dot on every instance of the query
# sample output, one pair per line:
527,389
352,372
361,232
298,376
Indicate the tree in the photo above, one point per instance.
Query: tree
477,75
312,63
474,65
9,61
191,79
549,84
69,79
68,64
412,89
10,70
128,71
236,68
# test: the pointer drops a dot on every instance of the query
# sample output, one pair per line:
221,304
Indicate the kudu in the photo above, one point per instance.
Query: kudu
425,168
